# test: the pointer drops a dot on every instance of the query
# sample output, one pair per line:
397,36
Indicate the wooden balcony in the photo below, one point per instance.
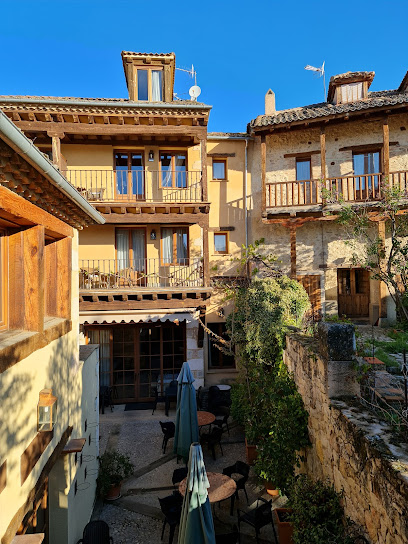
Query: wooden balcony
113,274
137,186
315,194
111,284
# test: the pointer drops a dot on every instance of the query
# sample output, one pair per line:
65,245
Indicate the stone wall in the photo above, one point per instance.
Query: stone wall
350,447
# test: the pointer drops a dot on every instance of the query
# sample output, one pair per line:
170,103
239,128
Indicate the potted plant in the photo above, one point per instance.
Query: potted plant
283,524
114,467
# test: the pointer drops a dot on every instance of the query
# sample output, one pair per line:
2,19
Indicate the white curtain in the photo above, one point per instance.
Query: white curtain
102,337
167,245
138,246
181,246
156,86
181,180
122,247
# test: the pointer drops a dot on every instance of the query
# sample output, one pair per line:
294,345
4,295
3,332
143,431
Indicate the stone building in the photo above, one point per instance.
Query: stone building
49,395
352,145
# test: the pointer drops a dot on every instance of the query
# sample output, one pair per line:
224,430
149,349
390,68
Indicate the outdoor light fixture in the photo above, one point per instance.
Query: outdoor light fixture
46,411
220,312
151,155
152,234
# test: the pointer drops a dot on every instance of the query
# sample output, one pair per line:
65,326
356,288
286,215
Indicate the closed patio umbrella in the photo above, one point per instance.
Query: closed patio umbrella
196,522
186,414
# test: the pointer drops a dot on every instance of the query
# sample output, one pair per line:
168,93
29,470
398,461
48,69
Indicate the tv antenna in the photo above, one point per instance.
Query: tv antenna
191,72
195,90
320,73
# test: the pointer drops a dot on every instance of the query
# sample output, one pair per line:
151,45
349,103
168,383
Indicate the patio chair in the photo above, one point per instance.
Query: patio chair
259,515
228,538
96,532
168,429
223,411
179,474
105,397
238,468
212,439
171,509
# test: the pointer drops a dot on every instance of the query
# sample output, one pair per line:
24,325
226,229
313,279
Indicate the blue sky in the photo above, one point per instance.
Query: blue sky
240,49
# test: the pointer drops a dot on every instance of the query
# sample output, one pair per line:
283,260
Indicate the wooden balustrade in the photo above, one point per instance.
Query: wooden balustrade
139,273
367,187
137,185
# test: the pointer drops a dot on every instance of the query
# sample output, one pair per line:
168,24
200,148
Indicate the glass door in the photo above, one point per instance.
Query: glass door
364,165
130,176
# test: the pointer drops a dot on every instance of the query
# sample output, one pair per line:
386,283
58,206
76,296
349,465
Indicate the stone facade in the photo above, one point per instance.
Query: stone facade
350,447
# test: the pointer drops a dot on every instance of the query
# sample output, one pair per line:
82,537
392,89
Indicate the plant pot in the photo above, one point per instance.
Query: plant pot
114,492
250,453
271,489
285,528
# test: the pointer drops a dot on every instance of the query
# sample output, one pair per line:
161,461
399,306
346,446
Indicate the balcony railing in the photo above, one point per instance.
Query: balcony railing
139,273
368,187
137,185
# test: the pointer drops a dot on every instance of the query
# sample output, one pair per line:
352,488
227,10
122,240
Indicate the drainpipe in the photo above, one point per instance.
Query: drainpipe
26,149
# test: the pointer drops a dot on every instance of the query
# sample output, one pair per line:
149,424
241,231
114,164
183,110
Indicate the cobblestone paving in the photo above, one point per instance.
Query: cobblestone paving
136,517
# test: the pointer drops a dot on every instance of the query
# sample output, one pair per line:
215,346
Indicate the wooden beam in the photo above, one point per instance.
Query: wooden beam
181,218
140,304
83,128
263,171
302,154
293,273
203,148
21,208
322,153
386,147
366,147
206,253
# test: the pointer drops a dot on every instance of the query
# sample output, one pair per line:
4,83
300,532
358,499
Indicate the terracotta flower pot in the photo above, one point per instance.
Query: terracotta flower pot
271,489
113,493
285,528
250,453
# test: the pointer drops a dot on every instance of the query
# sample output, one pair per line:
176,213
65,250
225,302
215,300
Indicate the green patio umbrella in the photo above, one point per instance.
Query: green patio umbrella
186,414
196,522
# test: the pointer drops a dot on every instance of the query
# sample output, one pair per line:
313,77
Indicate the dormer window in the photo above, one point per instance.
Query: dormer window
149,85
349,87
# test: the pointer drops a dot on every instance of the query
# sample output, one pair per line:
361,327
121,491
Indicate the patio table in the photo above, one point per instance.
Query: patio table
221,487
205,418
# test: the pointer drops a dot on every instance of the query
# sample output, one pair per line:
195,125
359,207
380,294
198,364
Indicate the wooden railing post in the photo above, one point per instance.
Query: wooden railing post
386,149
263,171
323,160
203,148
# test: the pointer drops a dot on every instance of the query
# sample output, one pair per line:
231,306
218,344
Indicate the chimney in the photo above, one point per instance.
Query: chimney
270,108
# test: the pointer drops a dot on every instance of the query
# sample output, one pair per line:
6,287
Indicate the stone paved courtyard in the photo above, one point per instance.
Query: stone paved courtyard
136,518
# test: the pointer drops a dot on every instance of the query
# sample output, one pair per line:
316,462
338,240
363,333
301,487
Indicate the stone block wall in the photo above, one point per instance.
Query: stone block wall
350,447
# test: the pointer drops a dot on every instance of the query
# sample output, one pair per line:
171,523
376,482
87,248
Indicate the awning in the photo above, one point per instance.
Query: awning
138,316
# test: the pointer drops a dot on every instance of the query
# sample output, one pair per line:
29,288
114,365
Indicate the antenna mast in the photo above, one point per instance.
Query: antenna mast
321,73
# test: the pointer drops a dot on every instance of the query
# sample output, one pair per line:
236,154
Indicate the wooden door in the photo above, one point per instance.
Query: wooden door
311,283
353,292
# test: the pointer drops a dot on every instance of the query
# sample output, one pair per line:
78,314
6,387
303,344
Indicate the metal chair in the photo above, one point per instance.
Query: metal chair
223,411
212,439
169,430
179,474
239,468
105,397
258,515
171,509
96,532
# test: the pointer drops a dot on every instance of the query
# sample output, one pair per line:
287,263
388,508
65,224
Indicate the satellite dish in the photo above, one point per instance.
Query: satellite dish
194,92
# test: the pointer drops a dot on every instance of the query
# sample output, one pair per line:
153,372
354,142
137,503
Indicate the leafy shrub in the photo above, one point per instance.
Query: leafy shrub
114,467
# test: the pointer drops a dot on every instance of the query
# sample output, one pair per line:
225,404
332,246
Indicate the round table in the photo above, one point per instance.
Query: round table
224,387
221,487
205,418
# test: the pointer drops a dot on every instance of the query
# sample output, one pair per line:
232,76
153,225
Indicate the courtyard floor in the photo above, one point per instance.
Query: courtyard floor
136,518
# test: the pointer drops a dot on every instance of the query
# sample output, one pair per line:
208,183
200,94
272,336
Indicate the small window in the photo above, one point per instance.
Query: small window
150,85
303,169
217,358
219,169
221,242
174,246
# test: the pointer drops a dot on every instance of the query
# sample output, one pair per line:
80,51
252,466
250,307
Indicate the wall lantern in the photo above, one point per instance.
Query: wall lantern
221,313
46,411
151,156
152,234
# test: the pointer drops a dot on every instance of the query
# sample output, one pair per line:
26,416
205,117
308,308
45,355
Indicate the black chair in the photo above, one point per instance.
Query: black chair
105,397
215,398
96,532
228,538
258,515
169,395
179,474
168,429
156,399
171,508
223,411
212,439
239,468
